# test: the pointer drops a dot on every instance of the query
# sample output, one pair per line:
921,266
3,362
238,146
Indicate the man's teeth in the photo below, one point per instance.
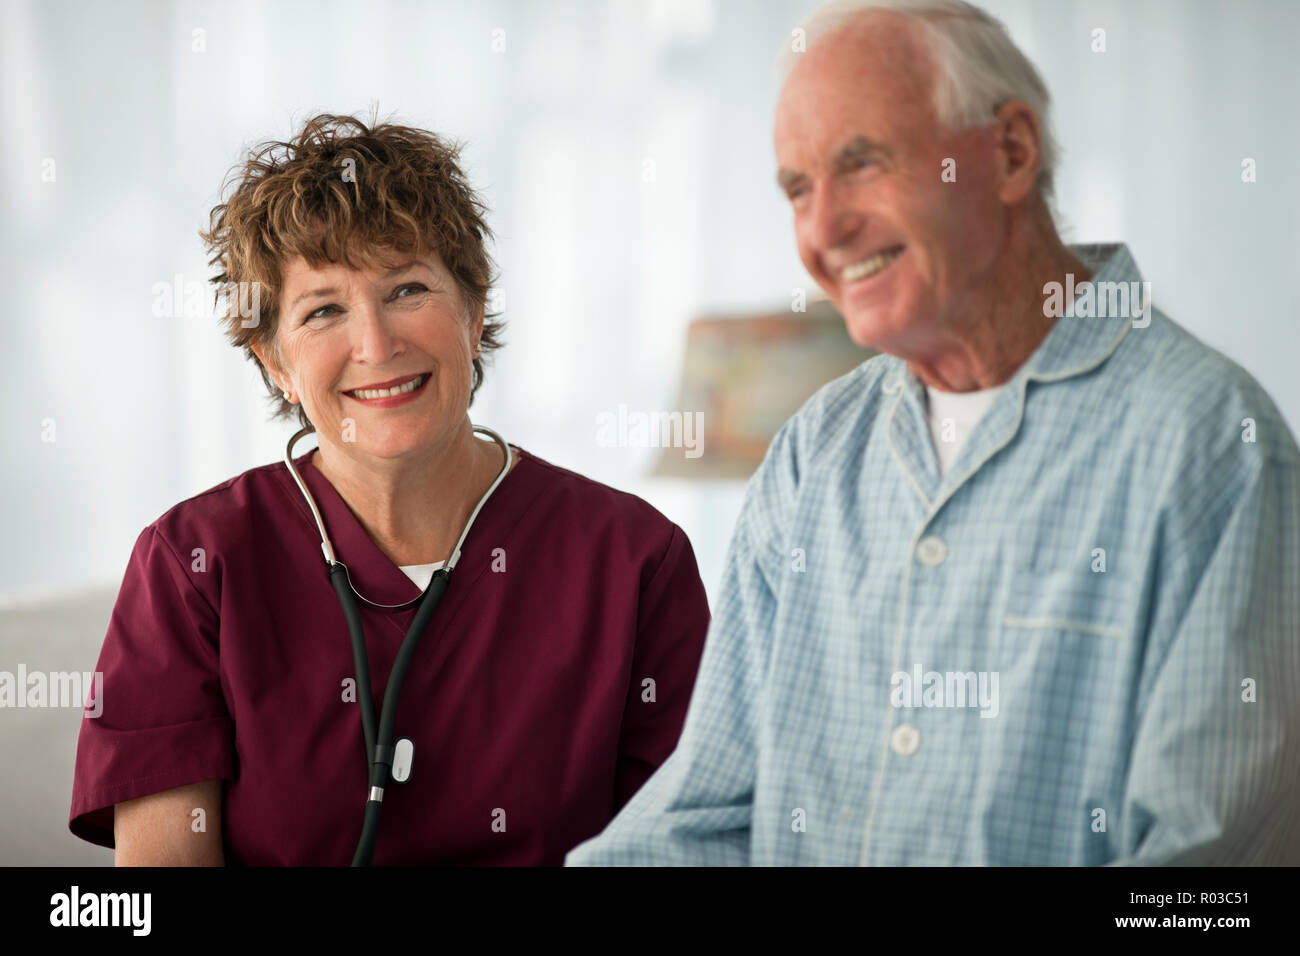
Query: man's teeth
410,386
868,267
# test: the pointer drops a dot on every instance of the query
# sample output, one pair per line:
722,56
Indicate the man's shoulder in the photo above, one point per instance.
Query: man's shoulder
836,411
829,427
1173,357
1175,383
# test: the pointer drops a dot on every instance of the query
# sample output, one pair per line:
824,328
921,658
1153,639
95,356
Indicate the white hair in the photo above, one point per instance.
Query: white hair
979,65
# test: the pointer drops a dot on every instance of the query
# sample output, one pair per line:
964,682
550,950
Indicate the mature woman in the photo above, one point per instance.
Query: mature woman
554,674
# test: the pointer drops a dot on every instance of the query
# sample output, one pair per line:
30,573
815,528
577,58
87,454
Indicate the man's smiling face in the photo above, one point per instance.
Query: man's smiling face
860,155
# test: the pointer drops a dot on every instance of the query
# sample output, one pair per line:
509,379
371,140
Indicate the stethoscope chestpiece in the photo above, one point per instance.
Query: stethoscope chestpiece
403,755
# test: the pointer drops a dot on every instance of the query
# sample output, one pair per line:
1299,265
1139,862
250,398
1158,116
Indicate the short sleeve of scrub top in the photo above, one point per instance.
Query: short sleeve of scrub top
551,682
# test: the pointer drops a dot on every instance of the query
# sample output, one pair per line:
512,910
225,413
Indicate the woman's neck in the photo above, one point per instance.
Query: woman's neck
414,507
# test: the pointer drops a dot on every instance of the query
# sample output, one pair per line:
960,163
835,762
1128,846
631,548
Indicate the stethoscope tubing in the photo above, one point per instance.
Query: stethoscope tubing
381,744
379,740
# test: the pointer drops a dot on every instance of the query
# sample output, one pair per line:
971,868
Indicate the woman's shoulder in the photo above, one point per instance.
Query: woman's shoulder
254,499
562,490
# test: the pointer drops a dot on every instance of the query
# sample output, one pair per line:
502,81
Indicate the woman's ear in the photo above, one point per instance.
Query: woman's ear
264,356
476,329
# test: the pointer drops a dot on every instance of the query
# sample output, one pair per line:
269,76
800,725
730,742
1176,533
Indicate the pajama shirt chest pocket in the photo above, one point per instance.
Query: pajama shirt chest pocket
1078,602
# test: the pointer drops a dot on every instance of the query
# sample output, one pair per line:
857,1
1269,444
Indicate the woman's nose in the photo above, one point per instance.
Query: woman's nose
373,341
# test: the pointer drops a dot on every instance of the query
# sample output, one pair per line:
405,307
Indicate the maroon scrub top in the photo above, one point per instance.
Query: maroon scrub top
552,680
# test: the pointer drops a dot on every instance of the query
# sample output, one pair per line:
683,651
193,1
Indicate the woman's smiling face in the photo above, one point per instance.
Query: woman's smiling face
344,333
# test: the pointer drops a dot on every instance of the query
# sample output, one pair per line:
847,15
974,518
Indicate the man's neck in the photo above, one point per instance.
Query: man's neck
999,325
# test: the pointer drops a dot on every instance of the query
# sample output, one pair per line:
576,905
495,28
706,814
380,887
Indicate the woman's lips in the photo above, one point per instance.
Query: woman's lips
391,383
402,390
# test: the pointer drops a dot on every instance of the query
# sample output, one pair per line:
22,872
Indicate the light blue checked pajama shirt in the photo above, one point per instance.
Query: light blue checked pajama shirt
1148,713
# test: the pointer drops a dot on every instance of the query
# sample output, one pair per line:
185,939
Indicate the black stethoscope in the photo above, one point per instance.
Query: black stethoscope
383,758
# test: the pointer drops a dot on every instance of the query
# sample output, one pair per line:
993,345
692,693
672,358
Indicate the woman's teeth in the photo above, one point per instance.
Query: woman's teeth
869,267
410,386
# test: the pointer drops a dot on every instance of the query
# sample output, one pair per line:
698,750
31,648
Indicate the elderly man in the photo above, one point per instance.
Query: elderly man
1026,588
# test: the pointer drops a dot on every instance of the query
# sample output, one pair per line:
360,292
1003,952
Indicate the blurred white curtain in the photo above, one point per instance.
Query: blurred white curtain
625,151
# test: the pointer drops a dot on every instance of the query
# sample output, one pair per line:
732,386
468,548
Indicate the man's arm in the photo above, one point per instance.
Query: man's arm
1214,776
696,809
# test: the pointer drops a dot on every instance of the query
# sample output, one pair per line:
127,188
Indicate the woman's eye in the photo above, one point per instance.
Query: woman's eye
318,313
418,286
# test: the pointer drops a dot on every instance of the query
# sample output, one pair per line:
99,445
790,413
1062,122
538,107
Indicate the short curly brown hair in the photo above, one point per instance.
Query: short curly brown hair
342,191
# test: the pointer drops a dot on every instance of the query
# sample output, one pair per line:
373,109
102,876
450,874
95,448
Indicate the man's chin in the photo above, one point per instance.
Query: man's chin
870,330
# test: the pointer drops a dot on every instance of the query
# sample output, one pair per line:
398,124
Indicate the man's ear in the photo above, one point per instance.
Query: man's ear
1018,135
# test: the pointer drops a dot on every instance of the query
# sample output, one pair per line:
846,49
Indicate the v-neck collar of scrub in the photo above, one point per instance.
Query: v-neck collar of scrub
372,573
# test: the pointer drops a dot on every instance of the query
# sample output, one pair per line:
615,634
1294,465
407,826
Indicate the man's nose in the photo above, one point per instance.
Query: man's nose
832,219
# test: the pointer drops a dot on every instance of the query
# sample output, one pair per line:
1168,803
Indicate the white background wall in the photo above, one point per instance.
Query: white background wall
601,271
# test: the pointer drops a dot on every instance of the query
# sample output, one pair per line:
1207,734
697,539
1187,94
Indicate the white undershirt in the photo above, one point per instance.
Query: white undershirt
953,416
421,574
